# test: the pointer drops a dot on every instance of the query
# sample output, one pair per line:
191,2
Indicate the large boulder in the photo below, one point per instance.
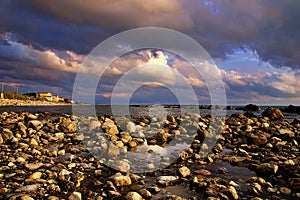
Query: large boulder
273,114
251,107
292,109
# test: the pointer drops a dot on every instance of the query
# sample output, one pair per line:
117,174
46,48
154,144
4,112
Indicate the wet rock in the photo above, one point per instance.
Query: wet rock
34,123
33,166
233,192
232,122
154,189
36,175
184,171
75,196
171,197
121,165
120,180
131,127
145,194
273,113
28,188
233,183
257,179
26,197
66,125
203,172
33,142
133,196
294,182
286,132
251,107
272,189
285,190
166,180
110,127
267,168
255,188
52,198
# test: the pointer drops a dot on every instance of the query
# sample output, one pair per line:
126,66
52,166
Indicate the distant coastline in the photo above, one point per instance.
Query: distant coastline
16,102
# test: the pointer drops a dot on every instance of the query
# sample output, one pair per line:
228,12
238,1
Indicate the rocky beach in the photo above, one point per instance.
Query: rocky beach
53,156
15,102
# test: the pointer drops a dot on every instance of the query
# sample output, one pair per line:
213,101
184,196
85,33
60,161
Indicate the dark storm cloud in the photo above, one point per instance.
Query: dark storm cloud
268,27
271,27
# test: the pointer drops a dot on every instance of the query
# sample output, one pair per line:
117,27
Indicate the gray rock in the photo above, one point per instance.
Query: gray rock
166,180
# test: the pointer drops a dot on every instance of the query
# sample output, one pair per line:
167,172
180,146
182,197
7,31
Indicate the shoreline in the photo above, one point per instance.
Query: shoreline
16,102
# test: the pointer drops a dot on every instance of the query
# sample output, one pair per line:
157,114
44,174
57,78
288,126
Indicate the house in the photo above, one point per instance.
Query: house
44,95
57,98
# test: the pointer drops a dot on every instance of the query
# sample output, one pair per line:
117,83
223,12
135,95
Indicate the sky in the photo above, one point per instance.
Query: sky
255,46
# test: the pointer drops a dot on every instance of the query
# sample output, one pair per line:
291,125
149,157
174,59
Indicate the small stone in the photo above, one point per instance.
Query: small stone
71,165
28,188
75,196
131,127
98,172
166,180
20,159
33,166
154,189
285,190
36,175
34,123
63,173
59,136
145,193
26,197
33,142
294,182
120,180
110,127
184,171
151,166
233,183
121,165
133,196
203,172
52,198
233,192
272,189
32,116
289,162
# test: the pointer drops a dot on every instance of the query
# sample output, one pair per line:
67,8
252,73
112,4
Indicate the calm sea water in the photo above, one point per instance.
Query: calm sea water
132,110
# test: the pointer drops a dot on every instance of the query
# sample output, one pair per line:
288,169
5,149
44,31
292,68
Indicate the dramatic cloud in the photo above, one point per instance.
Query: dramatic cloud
43,43
268,27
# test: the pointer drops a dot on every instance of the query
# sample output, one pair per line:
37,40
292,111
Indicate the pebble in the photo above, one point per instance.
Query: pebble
28,188
75,196
233,192
36,175
33,166
166,180
184,171
133,196
285,190
120,180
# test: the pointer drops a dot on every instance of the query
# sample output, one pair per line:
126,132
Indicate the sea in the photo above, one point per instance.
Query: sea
137,110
